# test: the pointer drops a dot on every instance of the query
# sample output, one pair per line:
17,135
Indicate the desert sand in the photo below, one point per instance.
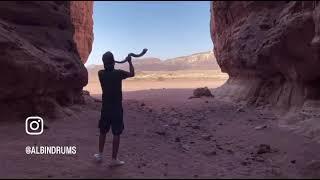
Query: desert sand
166,135
182,79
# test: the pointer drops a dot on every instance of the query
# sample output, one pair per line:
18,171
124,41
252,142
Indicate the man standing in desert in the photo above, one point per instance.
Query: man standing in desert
112,112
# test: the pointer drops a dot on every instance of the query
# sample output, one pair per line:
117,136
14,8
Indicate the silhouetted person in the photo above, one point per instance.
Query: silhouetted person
112,112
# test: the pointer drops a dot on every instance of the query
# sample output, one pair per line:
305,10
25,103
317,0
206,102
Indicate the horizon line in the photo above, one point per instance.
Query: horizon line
209,51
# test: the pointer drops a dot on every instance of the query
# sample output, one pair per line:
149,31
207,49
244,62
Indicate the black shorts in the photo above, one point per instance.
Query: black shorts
111,116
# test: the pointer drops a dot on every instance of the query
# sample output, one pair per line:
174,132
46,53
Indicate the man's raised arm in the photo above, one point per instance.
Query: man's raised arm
131,68
126,74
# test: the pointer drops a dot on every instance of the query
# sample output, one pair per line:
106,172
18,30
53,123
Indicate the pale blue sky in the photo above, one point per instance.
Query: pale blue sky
168,29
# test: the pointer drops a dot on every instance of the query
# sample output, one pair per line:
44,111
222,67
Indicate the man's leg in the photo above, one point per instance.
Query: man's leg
102,140
115,146
116,130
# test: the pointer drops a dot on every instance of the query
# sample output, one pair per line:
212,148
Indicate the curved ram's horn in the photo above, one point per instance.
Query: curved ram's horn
134,55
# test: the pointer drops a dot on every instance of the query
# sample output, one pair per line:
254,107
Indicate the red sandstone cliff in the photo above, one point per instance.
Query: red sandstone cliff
41,45
81,18
269,49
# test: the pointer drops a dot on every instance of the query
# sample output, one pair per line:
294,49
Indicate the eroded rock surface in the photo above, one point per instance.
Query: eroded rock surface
40,60
271,52
81,17
269,49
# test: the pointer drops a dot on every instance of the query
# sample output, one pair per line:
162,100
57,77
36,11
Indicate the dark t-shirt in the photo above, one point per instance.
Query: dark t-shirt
111,84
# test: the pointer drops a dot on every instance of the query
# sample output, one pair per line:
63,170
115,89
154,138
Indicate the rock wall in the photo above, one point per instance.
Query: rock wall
40,43
81,17
270,51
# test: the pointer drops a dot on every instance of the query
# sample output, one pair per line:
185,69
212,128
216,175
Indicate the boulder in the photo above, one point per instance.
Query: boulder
202,92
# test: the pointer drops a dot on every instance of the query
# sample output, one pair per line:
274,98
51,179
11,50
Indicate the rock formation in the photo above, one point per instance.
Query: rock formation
41,45
269,49
81,18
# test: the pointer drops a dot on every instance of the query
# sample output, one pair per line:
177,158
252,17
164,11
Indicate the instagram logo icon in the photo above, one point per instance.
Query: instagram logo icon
34,125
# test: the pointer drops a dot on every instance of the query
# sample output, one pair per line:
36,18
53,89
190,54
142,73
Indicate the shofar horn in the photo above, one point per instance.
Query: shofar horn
134,55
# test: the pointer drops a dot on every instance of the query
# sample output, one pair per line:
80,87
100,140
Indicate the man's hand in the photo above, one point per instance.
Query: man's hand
128,58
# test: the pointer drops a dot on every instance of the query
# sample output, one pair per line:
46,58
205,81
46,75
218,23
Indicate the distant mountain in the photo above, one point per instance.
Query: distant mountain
204,60
198,61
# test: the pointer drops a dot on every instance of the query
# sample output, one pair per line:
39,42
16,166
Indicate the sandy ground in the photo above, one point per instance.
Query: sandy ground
147,80
127,86
166,135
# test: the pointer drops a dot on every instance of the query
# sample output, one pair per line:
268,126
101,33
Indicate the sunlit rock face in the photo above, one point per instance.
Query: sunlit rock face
81,17
269,49
43,47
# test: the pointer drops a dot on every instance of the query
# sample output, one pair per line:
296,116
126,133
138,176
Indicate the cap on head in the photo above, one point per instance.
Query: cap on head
108,59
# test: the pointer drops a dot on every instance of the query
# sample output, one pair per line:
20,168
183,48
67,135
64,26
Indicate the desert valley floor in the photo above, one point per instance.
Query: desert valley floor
166,135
